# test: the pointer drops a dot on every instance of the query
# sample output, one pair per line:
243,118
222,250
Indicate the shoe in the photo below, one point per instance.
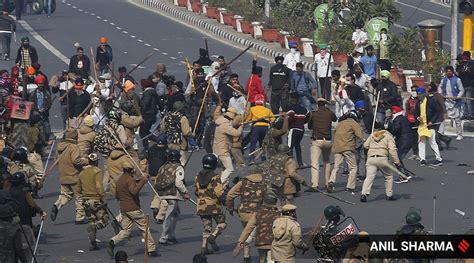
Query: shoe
422,163
350,190
401,180
360,178
155,212
414,157
54,212
330,187
390,198
212,241
437,163
81,222
172,240
93,246
111,248
312,189
459,138
153,254
247,260
363,198
448,142
166,243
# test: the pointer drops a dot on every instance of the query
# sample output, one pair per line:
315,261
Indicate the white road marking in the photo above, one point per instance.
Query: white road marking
118,27
148,45
98,17
156,49
139,40
112,24
86,12
164,53
132,36
92,14
426,11
173,58
68,4
105,20
80,10
125,32
44,42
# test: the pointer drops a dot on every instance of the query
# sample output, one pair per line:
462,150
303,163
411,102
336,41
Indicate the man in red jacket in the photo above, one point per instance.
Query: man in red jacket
254,83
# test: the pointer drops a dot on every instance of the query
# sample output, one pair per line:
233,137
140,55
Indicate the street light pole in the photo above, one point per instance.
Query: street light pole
267,8
454,31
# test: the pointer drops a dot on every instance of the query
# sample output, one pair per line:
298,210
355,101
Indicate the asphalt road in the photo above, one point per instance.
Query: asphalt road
65,242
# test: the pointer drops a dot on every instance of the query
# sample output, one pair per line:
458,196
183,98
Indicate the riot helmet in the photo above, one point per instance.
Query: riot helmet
20,154
209,161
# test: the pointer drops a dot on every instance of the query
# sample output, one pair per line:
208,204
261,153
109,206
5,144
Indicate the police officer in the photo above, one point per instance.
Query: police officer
11,248
20,163
274,136
250,189
380,145
322,242
262,223
209,191
170,187
90,187
413,225
177,129
26,208
280,172
156,158
130,123
287,236
128,195
69,168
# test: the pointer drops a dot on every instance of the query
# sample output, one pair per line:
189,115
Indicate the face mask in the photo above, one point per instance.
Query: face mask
413,94
358,30
236,95
108,82
293,51
155,80
26,45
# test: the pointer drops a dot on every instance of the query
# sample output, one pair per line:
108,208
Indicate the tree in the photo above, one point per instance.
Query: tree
405,49
295,16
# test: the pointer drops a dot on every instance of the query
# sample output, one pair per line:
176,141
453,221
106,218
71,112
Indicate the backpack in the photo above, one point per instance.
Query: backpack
173,128
104,141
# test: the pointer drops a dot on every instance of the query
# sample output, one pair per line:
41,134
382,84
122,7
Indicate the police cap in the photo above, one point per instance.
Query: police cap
288,207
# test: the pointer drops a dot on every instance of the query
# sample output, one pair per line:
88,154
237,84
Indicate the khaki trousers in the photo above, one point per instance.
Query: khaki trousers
68,191
350,158
373,165
265,256
320,148
130,218
228,168
237,155
35,161
161,205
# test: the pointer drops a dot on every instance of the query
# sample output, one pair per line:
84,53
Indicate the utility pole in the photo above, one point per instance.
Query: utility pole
454,31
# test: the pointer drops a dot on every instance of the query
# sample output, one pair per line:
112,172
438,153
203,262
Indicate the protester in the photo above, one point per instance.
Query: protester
304,85
292,58
324,67
370,62
26,55
452,89
7,28
103,56
465,71
80,64
279,85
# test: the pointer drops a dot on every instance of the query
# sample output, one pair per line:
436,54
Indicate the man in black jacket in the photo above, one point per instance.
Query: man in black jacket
80,64
149,109
279,85
7,27
388,95
401,130
78,100
26,55
427,111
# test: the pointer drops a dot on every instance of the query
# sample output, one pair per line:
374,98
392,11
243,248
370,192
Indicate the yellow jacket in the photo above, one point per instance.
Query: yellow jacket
259,112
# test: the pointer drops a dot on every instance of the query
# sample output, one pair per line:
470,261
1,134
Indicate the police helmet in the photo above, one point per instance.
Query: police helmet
17,178
126,106
413,216
20,154
270,198
333,213
209,161
173,155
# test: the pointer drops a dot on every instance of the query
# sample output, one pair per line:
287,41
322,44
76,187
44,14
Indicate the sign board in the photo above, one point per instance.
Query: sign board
374,26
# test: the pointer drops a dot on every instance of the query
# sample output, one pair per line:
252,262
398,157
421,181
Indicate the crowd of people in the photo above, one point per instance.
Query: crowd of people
251,130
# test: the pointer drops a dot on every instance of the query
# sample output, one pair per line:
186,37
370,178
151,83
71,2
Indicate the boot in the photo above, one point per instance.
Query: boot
54,212
93,246
111,248
212,241
204,249
155,212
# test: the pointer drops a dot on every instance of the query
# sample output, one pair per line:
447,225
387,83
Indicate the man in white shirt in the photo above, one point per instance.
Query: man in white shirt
322,72
360,40
363,80
292,58
238,103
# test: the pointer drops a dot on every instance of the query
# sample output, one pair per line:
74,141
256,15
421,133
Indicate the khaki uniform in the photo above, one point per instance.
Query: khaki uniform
286,239
209,192
34,157
114,166
129,201
69,168
347,131
262,223
85,140
90,187
236,149
250,189
223,143
33,177
381,145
